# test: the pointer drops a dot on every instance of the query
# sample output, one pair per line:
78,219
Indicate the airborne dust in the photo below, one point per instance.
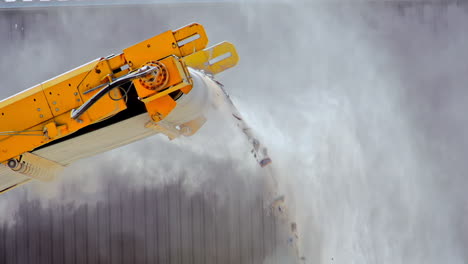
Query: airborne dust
362,107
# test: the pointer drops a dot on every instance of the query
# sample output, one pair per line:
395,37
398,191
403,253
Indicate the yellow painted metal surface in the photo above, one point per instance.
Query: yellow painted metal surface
63,96
158,103
166,44
160,108
194,32
24,111
214,59
154,48
176,75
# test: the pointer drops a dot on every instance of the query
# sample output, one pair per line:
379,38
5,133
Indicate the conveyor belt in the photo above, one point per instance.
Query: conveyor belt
9,178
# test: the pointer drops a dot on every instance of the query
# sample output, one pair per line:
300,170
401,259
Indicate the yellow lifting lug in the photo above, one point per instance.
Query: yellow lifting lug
50,131
213,60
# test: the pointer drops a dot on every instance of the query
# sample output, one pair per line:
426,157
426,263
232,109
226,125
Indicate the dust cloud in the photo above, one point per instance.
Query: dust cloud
361,105
363,112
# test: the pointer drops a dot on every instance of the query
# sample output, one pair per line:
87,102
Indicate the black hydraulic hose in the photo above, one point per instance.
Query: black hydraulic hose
76,113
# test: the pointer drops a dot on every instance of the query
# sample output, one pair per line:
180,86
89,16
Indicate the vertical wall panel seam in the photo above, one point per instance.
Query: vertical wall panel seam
121,245
156,219
145,223
74,216
109,239
4,244
62,210
28,232
239,230
181,249
263,255
98,234
86,233
168,226
215,218
133,208
51,220
192,230
203,214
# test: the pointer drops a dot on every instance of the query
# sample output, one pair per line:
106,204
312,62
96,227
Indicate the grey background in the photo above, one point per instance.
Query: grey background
361,103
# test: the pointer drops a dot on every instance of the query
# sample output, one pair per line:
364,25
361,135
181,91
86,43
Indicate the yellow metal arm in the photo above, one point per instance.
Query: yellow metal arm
147,77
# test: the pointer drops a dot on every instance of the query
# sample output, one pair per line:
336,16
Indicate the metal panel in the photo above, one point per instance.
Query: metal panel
9,178
153,225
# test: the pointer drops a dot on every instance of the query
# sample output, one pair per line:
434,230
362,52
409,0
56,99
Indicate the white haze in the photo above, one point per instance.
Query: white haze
362,108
